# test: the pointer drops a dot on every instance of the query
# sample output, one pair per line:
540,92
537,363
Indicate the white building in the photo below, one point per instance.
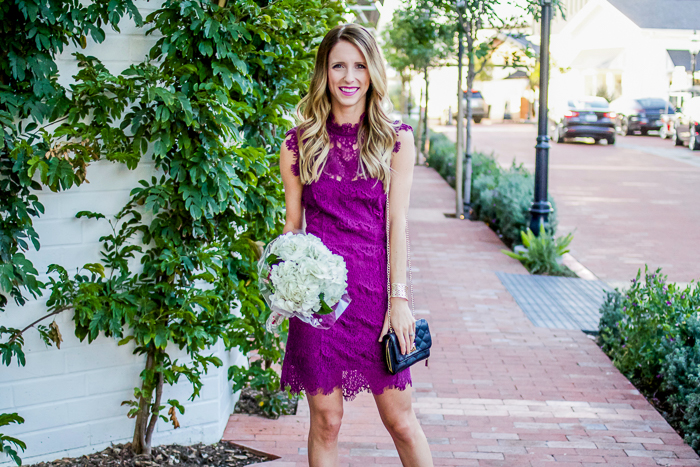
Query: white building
622,47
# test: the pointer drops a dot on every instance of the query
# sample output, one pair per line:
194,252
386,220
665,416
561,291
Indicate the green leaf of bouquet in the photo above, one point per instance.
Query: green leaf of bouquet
325,309
272,259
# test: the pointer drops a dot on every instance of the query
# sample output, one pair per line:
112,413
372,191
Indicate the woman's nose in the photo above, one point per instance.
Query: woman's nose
349,77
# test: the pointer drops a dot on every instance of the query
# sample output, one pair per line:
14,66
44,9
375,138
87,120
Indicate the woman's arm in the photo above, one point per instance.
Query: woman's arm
402,162
292,189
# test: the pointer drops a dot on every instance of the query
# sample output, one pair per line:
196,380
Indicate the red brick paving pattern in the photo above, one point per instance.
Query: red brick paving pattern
498,391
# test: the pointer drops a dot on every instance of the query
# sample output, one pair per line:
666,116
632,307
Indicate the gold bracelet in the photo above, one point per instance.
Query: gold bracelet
398,290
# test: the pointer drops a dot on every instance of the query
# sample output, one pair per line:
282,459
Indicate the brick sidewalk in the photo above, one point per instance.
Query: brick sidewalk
498,391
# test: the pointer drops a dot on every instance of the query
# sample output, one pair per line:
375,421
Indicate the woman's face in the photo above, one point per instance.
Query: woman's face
348,75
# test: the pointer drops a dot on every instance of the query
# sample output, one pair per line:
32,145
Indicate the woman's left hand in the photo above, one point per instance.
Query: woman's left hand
403,323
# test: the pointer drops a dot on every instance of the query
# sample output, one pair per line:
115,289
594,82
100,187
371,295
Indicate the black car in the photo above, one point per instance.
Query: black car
588,117
687,127
642,115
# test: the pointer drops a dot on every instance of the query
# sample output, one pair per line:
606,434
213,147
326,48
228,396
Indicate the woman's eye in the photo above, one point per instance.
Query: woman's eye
337,66
361,66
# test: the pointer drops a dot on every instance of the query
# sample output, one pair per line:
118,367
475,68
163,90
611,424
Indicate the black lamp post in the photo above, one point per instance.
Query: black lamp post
541,207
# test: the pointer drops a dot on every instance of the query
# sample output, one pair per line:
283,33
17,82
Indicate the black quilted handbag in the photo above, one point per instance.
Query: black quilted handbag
397,362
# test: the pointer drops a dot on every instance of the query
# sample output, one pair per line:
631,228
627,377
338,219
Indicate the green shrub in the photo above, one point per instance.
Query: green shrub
499,197
441,156
610,317
511,203
652,334
543,253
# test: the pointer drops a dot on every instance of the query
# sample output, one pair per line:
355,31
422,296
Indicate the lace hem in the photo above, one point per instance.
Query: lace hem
350,387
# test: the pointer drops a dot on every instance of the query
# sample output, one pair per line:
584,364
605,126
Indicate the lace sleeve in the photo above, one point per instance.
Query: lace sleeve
404,127
293,145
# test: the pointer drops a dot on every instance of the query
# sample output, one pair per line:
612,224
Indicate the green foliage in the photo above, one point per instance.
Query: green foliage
652,334
414,40
7,442
500,197
610,317
33,34
543,253
209,107
441,156
271,400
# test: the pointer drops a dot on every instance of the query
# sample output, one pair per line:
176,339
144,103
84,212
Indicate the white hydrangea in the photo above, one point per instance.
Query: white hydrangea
308,269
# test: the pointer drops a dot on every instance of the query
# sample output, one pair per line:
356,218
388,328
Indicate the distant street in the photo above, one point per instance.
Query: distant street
631,204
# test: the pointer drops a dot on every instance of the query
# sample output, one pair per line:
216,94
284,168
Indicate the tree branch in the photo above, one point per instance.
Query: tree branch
156,410
19,333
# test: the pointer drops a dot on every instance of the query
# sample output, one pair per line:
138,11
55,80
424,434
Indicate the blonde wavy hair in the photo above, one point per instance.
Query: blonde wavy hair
377,134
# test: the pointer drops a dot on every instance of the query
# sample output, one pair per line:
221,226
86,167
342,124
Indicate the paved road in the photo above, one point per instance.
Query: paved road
631,204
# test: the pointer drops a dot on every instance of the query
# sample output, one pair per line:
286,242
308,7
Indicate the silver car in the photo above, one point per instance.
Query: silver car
480,109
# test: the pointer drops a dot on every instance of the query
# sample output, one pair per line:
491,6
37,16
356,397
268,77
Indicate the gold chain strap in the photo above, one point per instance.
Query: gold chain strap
388,267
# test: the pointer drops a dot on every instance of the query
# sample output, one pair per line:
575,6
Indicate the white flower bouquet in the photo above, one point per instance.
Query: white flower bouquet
299,276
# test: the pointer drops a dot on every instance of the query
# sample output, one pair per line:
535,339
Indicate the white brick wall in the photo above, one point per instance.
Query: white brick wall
70,398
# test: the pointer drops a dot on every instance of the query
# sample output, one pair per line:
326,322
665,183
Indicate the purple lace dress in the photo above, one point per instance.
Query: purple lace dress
347,213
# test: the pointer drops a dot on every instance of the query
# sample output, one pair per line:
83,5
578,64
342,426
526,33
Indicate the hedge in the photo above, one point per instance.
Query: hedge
651,332
500,197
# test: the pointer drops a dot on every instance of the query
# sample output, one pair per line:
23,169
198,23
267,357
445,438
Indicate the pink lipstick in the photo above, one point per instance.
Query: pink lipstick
348,91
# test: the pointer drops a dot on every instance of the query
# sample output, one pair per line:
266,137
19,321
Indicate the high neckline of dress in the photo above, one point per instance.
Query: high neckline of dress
344,129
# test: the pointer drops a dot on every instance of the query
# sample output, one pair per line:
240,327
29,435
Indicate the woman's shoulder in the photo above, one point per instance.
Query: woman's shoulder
404,134
291,141
400,126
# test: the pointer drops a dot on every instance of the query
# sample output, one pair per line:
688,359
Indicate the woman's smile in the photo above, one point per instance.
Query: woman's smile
348,90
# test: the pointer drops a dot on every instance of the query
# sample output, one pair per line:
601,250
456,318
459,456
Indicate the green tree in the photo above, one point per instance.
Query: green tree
470,18
416,41
209,107
32,34
395,39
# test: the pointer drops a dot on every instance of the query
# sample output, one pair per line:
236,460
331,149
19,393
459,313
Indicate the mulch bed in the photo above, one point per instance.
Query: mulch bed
222,454
248,403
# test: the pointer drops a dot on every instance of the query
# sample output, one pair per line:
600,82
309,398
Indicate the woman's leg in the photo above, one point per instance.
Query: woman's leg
397,414
326,415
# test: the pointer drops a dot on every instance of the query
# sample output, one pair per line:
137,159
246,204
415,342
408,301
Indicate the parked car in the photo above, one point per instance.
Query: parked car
642,115
588,117
677,98
688,125
668,125
480,109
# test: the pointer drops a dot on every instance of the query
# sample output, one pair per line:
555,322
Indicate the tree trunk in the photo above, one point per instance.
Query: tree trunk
426,128
138,444
468,145
459,208
404,98
147,415
154,413
419,129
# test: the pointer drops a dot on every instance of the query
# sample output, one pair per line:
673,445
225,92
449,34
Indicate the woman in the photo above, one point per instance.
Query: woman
336,167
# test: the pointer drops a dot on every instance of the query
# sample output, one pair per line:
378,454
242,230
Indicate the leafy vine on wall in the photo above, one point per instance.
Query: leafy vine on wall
208,107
